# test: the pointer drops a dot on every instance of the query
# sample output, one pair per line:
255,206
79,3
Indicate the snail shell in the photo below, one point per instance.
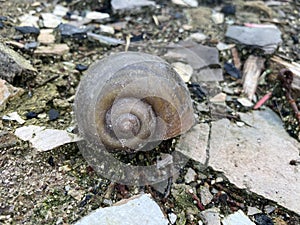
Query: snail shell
132,101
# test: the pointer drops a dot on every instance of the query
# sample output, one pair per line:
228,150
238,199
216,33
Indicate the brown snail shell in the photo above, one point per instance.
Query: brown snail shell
131,100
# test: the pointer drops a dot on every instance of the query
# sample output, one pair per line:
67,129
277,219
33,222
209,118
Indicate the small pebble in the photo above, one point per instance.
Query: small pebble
31,45
53,114
232,70
172,217
228,9
262,219
28,30
51,161
31,115
81,67
295,39
190,176
269,209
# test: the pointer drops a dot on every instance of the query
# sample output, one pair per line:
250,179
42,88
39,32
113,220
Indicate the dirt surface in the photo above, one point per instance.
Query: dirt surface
58,186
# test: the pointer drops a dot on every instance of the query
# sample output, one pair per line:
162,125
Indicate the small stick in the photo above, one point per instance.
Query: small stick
286,77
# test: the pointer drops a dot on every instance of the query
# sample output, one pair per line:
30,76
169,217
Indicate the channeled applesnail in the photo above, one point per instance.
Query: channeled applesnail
131,101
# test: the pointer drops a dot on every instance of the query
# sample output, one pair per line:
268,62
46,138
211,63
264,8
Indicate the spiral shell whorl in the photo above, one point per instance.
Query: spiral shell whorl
131,99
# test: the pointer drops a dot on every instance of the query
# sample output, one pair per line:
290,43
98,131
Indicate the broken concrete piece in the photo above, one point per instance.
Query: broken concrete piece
12,64
52,50
203,59
7,91
237,218
252,70
258,157
140,209
266,38
45,139
130,4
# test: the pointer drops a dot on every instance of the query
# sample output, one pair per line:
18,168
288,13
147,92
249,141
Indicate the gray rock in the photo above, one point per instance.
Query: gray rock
12,64
50,20
257,157
205,195
141,209
252,211
130,4
202,58
266,38
237,218
269,209
190,176
104,39
211,216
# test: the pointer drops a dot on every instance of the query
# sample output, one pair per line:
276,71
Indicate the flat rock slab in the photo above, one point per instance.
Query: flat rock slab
12,64
258,157
140,209
255,157
203,59
266,38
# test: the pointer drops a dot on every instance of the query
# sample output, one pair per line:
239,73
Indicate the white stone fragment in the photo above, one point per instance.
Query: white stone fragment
130,4
60,10
141,209
237,218
29,20
219,98
198,37
96,15
217,17
107,29
172,217
185,71
14,116
205,195
222,46
50,20
245,102
190,176
211,216
252,211
191,3
45,139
